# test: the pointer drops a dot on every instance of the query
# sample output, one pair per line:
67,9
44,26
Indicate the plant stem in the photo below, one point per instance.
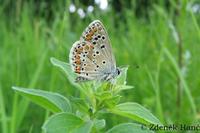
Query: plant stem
179,84
183,82
180,58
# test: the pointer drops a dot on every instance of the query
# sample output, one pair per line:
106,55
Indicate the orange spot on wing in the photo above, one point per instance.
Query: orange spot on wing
78,69
87,35
88,38
77,57
92,33
95,29
77,62
80,50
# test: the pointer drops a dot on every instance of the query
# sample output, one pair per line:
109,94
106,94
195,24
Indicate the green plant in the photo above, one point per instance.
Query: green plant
85,113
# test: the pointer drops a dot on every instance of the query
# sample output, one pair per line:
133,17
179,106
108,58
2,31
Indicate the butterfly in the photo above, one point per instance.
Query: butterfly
91,58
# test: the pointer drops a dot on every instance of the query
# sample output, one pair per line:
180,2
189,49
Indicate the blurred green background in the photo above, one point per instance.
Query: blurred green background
158,39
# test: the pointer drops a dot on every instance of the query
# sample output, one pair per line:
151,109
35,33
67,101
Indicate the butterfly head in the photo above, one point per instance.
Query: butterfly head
116,72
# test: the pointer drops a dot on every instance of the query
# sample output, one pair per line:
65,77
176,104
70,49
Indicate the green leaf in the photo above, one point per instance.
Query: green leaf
80,104
121,79
120,88
103,95
112,101
65,123
135,112
85,127
70,74
49,100
107,98
66,68
129,128
99,124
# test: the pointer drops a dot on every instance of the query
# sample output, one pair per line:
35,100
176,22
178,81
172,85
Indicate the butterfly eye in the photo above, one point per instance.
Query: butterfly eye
99,36
95,38
86,74
94,43
97,66
94,55
104,62
103,37
118,71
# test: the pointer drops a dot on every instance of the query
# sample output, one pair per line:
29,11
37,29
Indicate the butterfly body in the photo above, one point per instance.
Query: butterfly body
111,75
91,57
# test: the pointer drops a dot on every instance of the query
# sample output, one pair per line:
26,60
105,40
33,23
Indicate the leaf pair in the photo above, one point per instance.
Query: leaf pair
66,122
103,97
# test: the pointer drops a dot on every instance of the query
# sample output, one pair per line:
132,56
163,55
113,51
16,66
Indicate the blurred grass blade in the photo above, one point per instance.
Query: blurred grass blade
195,21
129,128
65,123
51,101
185,86
135,112
156,88
160,11
23,104
3,117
